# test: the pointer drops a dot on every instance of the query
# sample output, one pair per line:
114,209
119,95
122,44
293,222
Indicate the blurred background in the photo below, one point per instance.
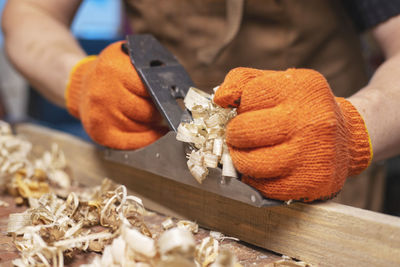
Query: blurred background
98,23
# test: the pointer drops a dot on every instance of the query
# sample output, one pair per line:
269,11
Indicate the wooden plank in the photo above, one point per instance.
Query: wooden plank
327,234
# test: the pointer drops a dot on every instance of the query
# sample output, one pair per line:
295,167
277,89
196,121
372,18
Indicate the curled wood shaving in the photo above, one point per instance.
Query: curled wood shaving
207,133
167,224
197,166
176,241
188,225
225,258
207,251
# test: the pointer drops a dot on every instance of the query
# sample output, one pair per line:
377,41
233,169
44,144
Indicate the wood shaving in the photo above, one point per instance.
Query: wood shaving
225,258
167,224
188,225
207,133
4,204
288,202
221,237
287,261
207,251
18,221
176,241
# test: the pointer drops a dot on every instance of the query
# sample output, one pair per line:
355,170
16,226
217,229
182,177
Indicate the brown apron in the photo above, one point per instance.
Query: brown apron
210,37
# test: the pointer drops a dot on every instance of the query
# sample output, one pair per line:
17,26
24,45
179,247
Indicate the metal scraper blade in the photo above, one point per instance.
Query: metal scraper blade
167,80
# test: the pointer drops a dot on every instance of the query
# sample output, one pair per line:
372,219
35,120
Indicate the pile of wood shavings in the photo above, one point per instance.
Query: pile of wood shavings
174,247
26,177
53,228
207,133
106,220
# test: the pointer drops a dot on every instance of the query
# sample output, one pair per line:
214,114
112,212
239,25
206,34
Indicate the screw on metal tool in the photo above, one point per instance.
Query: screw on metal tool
164,76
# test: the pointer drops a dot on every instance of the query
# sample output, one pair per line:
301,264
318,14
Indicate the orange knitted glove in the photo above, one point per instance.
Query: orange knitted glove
292,139
107,95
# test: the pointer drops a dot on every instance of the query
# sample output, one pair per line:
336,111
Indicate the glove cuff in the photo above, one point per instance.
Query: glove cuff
74,86
360,143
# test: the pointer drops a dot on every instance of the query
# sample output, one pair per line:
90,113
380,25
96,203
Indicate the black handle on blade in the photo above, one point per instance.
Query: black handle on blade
164,76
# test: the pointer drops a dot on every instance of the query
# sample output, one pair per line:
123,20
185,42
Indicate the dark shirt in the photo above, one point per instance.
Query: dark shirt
369,13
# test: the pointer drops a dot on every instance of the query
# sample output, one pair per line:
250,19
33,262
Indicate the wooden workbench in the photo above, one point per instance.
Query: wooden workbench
324,234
